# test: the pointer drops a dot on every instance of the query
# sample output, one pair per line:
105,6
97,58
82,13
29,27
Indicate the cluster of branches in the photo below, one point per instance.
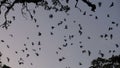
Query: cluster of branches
112,62
9,5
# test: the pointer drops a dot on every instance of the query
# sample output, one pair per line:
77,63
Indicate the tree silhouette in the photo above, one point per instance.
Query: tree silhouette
56,5
9,5
112,62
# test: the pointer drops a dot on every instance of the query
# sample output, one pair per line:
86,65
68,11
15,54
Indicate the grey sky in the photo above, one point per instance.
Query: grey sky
22,28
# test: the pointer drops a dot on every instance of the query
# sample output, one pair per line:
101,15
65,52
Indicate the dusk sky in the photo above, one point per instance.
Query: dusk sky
64,40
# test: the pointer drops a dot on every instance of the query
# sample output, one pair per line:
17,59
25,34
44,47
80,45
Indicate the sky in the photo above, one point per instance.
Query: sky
63,41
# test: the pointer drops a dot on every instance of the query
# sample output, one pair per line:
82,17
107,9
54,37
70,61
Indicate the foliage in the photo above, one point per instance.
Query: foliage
9,5
112,62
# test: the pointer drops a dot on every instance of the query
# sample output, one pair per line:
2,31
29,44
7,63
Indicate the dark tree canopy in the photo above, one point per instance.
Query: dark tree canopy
56,5
112,62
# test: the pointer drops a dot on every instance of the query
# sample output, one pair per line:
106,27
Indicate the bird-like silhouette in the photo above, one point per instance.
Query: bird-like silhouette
110,28
8,59
110,51
23,50
80,63
0,54
13,17
36,54
39,43
65,45
2,41
51,33
11,35
39,33
61,59
102,55
39,49
117,24
59,48
80,32
26,49
52,27
66,27
84,13
99,4
89,37
83,51
108,15
113,22
51,16
111,36
27,55
37,26
96,17
64,19
80,27
61,22
8,46
81,46
56,52
16,52
32,43
111,5
71,36
89,52
116,45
